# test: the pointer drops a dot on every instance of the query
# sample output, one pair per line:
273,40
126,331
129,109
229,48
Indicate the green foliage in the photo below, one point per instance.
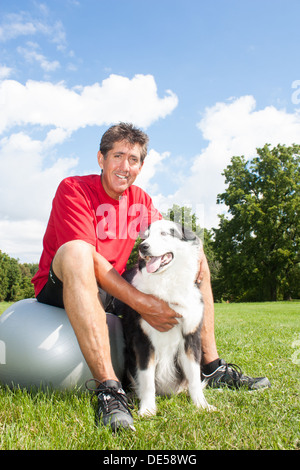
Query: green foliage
133,258
257,245
15,279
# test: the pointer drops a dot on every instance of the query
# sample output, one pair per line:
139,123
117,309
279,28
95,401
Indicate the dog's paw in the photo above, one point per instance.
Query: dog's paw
211,408
207,407
147,410
201,402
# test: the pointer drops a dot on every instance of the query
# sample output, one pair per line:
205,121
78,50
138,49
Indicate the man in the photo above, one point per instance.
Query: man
88,240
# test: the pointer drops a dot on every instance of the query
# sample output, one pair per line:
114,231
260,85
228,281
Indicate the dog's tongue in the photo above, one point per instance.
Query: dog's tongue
153,264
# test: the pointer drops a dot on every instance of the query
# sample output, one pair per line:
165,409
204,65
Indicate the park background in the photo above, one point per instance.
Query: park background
210,82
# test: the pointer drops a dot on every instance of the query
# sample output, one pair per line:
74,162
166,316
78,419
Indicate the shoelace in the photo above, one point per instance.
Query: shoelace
112,398
235,372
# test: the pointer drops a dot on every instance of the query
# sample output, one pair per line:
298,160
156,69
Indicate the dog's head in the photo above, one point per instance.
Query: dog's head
166,244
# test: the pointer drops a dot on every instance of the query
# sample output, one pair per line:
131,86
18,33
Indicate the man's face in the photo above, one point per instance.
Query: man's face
120,167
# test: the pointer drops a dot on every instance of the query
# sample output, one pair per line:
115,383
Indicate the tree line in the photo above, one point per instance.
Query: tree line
15,279
253,254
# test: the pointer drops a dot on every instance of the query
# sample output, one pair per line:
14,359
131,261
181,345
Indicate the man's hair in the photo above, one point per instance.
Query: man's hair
124,131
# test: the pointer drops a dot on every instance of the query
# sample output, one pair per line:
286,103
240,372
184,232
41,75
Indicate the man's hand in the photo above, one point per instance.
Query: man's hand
153,310
157,313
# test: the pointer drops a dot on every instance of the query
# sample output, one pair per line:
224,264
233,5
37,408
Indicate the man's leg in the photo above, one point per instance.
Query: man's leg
216,371
208,341
73,264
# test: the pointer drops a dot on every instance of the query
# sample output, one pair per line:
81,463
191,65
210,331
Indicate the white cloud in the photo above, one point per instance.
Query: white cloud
22,239
27,183
151,165
15,25
24,24
27,186
231,129
33,56
5,72
116,98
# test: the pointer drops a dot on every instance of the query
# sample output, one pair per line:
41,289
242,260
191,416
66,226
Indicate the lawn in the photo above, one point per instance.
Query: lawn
262,338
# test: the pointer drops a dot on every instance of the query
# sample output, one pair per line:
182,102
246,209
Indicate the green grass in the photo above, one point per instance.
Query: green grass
261,337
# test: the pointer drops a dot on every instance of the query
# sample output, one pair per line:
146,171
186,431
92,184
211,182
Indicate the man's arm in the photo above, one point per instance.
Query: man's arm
153,310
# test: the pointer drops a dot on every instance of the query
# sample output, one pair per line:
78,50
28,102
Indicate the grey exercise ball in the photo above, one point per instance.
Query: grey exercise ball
38,347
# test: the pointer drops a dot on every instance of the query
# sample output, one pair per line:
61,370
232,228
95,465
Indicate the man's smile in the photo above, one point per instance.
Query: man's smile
122,177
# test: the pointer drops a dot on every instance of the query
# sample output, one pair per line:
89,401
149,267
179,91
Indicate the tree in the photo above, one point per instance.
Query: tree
3,275
15,279
258,243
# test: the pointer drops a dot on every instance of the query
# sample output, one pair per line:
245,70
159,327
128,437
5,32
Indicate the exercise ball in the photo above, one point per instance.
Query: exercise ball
38,347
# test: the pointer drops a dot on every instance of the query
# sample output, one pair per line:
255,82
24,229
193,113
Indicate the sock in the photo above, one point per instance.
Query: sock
209,368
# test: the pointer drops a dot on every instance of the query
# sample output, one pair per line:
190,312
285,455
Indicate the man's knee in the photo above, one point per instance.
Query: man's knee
75,256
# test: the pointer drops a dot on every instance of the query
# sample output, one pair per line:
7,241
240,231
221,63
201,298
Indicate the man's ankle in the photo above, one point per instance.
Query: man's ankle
209,368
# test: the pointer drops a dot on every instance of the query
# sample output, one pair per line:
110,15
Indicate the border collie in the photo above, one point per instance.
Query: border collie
165,363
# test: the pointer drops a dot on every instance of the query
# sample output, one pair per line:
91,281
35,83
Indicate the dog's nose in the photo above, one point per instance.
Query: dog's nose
144,247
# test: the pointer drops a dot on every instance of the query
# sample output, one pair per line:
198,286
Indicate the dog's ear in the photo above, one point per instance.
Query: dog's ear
190,236
176,231
185,234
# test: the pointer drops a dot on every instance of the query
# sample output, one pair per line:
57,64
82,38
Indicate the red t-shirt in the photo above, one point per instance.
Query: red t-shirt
82,210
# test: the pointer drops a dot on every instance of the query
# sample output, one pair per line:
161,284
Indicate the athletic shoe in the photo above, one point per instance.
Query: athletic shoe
231,376
113,408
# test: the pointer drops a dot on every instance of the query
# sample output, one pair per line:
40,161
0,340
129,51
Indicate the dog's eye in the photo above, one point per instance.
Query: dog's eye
164,234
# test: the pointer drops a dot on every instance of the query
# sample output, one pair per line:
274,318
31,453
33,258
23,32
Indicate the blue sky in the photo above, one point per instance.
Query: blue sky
206,80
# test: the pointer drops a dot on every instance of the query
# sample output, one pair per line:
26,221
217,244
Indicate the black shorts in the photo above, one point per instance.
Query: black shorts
52,293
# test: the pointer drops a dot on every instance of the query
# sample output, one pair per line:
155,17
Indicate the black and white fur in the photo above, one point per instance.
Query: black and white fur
166,362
